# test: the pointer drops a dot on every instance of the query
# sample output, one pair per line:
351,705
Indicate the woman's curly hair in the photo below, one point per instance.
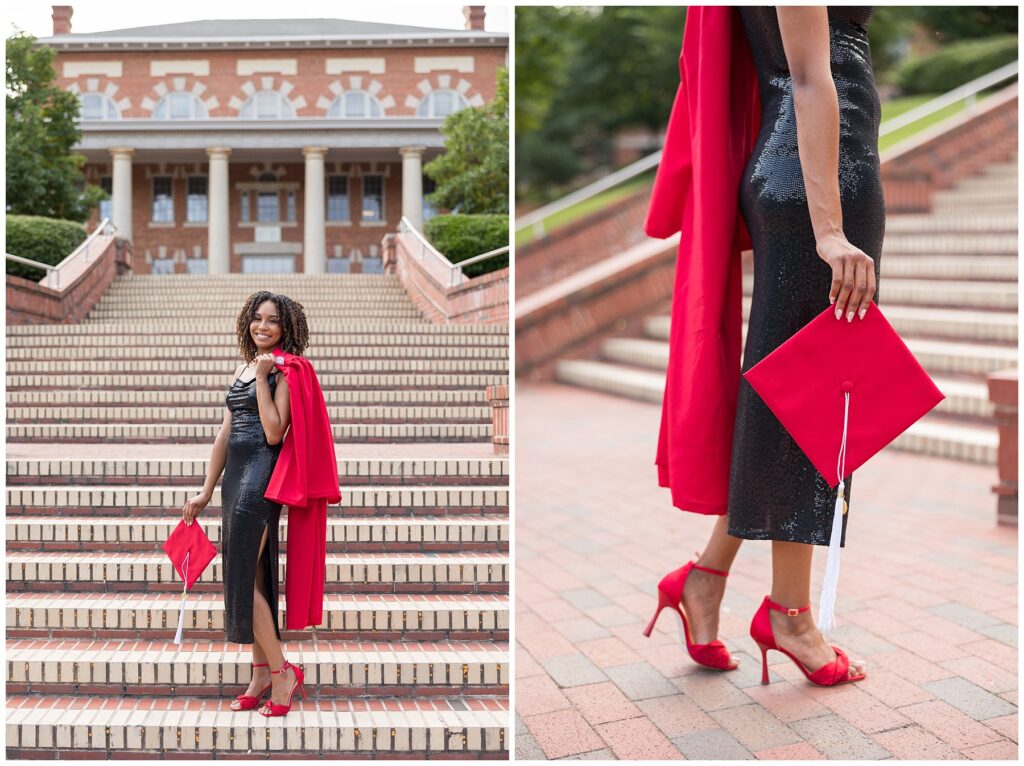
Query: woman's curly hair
294,331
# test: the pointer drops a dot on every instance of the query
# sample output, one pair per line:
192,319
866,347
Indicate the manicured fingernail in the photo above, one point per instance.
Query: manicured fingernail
849,316
863,312
839,313
832,300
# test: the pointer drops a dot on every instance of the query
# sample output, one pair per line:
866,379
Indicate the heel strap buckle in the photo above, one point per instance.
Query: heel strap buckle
792,612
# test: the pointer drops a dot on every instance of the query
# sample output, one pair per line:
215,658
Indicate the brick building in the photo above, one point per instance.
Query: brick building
268,145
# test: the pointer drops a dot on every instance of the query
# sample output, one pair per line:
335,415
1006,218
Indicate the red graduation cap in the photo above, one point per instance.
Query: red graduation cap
190,551
843,390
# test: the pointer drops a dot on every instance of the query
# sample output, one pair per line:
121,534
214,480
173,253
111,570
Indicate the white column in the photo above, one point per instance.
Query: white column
412,184
121,190
314,248
218,227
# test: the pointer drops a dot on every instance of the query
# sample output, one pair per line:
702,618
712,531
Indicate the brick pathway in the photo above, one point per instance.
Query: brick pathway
927,597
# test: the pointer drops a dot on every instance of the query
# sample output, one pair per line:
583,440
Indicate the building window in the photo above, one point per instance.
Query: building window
162,266
245,207
268,264
373,198
267,105
197,266
337,198
429,186
107,205
163,200
290,206
355,103
268,207
98,106
197,202
179,105
440,103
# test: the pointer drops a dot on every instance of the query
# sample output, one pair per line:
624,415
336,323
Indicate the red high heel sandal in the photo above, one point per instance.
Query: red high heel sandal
275,709
247,701
670,594
832,674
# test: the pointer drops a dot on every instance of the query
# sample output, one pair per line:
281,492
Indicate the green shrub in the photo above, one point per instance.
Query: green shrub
47,240
956,64
463,236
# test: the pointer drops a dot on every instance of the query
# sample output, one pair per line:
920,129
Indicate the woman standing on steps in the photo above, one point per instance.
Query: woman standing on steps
789,114
247,449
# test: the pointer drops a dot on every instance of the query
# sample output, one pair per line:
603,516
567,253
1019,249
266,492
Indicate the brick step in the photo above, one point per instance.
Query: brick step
336,368
1004,183
215,333
366,501
165,433
117,572
441,534
48,726
223,359
196,398
154,616
206,346
990,195
975,443
976,243
958,222
213,314
212,414
255,281
938,292
217,382
192,471
962,267
333,669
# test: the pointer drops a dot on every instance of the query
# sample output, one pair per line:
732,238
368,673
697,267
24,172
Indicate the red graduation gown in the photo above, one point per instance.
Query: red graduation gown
306,480
711,132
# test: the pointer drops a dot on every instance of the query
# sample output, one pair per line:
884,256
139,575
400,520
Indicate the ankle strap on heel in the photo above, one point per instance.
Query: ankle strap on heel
284,667
707,569
789,610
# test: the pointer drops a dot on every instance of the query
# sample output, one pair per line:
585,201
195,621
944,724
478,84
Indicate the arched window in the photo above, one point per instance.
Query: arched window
98,106
440,103
267,105
355,103
180,105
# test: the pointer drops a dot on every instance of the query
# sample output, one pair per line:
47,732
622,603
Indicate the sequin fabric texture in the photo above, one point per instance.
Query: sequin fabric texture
775,493
247,471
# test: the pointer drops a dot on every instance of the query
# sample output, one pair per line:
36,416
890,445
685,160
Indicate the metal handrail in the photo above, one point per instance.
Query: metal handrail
105,228
968,91
455,275
535,219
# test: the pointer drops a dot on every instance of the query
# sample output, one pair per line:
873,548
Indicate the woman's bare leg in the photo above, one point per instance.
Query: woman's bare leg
702,594
791,587
260,676
263,629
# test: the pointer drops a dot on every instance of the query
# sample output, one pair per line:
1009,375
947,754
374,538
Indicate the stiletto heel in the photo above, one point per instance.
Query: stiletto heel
832,674
248,702
279,710
670,594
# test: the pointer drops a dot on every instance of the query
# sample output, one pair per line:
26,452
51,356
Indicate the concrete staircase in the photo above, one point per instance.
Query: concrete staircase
110,425
949,287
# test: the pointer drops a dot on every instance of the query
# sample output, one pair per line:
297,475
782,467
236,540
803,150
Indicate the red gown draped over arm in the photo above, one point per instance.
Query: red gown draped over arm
711,132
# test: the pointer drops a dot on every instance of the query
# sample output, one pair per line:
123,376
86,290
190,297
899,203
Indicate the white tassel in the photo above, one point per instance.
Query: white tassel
184,594
830,583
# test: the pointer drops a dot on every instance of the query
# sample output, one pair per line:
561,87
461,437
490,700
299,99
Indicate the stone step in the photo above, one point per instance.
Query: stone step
45,726
214,313
42,500
218,383
418,534
952,244
196,397
954,222
192,471
1005,183
336,368
153,572
210,347
973,443
333,669
962,267
989,196
215,333
154,616
164,433
222,359
324,299
213,414
938,292
255,281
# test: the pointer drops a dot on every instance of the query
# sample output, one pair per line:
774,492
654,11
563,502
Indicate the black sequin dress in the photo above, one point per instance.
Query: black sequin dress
250,463
775,493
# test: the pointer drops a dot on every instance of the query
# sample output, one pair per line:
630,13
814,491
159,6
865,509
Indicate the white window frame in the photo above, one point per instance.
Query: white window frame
170,197
253,108
347,197
108,109
196,109
428,106
339,108
383,201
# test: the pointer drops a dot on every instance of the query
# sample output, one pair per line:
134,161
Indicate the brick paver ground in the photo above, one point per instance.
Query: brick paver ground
927,597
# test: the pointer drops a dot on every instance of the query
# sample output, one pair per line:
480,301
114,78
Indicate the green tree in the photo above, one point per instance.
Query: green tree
44,176
472,174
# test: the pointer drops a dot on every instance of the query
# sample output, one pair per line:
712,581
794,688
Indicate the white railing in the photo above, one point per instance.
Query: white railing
434,262
83,253
967,92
